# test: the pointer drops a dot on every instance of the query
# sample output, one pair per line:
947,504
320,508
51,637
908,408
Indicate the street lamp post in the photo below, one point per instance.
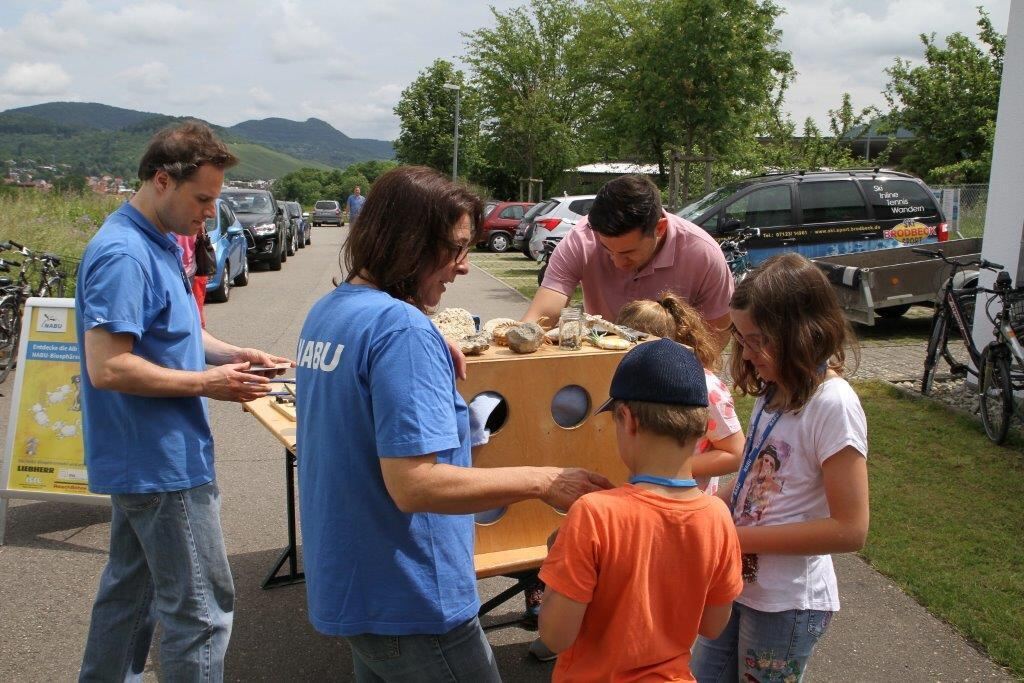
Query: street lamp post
455,153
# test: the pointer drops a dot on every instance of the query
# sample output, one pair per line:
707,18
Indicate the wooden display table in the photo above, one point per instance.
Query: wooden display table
513,544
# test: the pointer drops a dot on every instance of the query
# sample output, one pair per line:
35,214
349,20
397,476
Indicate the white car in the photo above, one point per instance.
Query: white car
555,219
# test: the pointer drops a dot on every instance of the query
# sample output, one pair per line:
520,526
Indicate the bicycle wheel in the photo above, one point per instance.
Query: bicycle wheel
936,341
996,391
9,331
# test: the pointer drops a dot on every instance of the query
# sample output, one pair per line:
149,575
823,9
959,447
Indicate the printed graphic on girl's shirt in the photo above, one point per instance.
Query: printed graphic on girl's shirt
763,483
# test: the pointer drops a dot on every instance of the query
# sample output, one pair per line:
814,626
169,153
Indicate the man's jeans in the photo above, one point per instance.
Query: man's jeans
462,654
760,646
168,563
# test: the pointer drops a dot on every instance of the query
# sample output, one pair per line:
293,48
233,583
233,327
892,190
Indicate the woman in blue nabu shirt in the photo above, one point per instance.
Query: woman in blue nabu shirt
387,491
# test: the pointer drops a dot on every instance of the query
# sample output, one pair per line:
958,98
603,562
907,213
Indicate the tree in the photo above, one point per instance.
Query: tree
426,112
950,104
71,183
688,75
833,151
531,109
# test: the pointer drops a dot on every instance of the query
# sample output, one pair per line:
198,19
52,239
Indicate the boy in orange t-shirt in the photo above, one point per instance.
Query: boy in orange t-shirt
638,571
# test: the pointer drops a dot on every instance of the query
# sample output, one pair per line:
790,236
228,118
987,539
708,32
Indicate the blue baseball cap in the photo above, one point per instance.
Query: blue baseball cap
661,371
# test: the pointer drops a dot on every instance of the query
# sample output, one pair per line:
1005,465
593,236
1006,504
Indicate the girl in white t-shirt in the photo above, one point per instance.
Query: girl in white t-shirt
721,449
802,489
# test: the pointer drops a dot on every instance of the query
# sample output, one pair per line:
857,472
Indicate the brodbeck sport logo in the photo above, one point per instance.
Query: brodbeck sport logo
909,232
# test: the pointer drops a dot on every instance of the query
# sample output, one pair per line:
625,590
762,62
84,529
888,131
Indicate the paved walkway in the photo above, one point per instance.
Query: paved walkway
55,552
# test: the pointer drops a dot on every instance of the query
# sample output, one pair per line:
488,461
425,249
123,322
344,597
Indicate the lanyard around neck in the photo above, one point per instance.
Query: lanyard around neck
750,451
663,481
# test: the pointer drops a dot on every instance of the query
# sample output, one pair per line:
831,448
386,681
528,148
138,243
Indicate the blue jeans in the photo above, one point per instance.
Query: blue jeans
168,563
462,654
760,646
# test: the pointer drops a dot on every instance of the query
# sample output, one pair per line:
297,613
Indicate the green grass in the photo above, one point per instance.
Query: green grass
256,161
972,219
44,221
946,515
516,271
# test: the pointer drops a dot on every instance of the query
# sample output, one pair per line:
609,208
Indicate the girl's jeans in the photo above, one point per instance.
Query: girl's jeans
760,646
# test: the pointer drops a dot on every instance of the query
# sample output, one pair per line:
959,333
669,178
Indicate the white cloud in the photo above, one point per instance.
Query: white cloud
153,76
154,23
839,46
260,96
58,32
297,37
35,78
342,67
196,95
361,114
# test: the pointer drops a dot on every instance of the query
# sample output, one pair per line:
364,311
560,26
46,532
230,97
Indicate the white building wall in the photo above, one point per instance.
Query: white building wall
1004,218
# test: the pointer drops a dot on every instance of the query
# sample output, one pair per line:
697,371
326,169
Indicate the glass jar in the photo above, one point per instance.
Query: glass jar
570,329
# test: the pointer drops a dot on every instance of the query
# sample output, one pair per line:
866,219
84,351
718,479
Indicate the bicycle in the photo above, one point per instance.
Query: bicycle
736,255
51,275
10,318
996,381
549,248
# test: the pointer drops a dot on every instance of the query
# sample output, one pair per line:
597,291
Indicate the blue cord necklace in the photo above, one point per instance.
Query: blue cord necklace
663,481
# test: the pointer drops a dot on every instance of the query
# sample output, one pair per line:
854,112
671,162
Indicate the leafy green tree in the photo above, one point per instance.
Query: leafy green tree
426,112
833,151
371,170
950,103
71,184
532,109
689,75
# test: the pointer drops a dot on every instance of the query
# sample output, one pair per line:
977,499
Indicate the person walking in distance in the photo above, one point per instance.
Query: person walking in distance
355,204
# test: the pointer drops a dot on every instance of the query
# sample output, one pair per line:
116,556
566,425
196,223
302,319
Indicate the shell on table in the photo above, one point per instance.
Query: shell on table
497,329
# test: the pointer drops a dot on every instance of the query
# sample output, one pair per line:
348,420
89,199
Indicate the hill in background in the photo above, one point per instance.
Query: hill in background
313,139
94,139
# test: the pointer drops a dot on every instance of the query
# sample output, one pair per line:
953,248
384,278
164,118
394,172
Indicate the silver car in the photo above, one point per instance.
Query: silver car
327,211
557,217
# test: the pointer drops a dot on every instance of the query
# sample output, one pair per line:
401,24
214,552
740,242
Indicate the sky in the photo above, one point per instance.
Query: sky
347,62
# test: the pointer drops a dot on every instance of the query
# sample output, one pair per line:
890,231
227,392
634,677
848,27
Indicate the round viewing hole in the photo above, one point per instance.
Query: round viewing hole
488,517
494,406
570,406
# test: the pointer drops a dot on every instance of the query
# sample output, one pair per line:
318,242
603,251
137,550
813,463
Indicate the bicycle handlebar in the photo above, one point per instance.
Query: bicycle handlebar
981,263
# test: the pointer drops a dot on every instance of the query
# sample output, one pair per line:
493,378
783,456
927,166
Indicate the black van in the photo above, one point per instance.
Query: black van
823,213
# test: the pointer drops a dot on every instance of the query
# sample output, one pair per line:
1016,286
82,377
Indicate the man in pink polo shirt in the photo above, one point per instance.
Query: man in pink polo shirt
628,249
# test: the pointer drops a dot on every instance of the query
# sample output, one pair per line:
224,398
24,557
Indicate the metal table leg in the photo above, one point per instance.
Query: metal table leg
291,551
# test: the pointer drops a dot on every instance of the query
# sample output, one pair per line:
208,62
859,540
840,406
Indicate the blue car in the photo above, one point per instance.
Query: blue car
305,228
228,240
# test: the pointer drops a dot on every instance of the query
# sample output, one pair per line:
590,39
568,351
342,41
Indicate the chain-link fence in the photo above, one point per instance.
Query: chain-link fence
964,207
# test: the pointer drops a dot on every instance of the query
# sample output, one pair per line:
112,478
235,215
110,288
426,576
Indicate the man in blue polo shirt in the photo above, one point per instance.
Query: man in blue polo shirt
145,423
355,204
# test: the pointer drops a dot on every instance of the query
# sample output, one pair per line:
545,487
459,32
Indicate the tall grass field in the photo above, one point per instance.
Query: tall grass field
47,221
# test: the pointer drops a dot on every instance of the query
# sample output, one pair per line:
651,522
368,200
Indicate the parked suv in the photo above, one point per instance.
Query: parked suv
327,211
555,218
500,221
266,228
823,213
